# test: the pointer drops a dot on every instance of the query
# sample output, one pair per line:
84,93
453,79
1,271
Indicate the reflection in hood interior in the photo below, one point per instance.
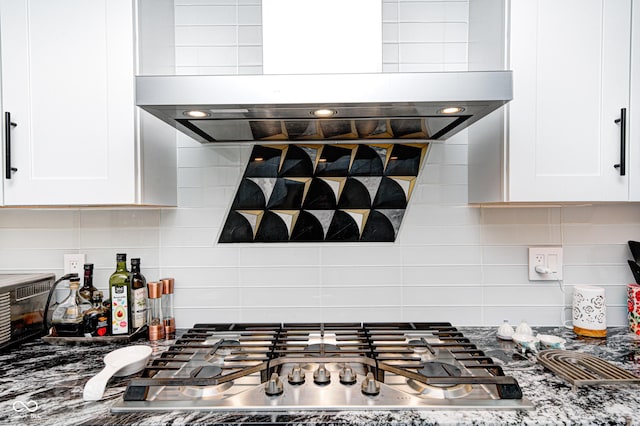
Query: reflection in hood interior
323,107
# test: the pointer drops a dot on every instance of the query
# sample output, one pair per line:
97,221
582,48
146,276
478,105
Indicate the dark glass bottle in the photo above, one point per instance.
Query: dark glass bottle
96,319
88,289
138,296
67,317
119,284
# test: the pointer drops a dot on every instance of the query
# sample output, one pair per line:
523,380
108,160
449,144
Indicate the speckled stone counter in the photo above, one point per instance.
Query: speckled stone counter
42,384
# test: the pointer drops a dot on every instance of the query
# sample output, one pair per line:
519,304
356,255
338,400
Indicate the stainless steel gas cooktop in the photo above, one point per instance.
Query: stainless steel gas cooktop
320,367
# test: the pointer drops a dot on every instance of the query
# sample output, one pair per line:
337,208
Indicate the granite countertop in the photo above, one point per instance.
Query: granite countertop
49,380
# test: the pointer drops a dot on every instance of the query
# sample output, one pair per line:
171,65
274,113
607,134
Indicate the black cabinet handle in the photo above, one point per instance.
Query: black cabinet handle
7,145
623,127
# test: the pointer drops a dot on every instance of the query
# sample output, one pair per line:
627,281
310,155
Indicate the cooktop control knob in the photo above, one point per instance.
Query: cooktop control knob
296,376
370,386
274,386
321,376
347,376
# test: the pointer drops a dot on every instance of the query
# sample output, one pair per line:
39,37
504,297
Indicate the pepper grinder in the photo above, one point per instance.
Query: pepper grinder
155,320
167,307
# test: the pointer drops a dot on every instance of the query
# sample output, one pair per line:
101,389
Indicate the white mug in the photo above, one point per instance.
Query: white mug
589,311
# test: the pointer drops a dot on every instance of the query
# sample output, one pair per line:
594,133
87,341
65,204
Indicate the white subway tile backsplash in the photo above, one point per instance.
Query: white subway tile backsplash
423,214
199,256
352,297
206,36
250,35
390,53
360,255
389,67
440,194
598,274
188,316
534,315
421,53
457,315
54,238
434,296
284,255
521,216
309,276
447,154
188,237
280,297
601,234
440,235
389,32
508,255
250,56
522,234
210,297
336,276
193,218
534,294
447,174
118,237
600,254
202,277
441,255
249,15
361,314
602,214
38,218
225,14
282,314
441,275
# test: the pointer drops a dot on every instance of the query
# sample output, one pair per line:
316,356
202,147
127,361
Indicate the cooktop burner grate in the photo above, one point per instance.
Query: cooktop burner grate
353,365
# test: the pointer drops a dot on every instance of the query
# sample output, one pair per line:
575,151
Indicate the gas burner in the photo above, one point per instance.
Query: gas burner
440,369
221,350
316,349
423,349
207,372
205,392
437,391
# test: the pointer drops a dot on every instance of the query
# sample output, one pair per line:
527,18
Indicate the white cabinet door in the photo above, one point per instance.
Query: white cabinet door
571,66
68,82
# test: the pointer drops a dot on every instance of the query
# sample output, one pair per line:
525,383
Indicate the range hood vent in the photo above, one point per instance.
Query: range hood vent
323,107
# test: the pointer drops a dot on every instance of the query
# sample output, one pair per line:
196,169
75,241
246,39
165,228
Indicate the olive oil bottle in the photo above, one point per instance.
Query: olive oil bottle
138,296
119,291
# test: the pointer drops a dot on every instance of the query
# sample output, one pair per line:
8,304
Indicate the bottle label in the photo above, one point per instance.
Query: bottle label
119,310
103,325
139,307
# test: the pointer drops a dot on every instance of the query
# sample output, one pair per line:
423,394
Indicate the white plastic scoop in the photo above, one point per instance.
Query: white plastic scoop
119,363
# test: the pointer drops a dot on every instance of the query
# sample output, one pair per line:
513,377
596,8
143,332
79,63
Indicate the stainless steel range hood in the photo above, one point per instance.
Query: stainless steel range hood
323,107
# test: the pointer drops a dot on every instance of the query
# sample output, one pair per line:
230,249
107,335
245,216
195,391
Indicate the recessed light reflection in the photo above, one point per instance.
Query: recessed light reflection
197,114
258,159
450,110
324,113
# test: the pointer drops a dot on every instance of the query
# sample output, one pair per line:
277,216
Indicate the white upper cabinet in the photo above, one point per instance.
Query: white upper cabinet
560,140
68,71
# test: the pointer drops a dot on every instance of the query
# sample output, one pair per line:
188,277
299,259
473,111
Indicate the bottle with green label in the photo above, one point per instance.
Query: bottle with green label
119,291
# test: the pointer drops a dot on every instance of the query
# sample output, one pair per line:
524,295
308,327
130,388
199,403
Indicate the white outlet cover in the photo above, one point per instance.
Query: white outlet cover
546,253
80,260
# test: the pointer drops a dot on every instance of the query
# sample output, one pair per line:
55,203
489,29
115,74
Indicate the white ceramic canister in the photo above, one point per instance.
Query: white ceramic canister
589,311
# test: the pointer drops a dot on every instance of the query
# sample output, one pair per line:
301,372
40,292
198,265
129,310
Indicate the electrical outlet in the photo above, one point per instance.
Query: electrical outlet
548,259
74,263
